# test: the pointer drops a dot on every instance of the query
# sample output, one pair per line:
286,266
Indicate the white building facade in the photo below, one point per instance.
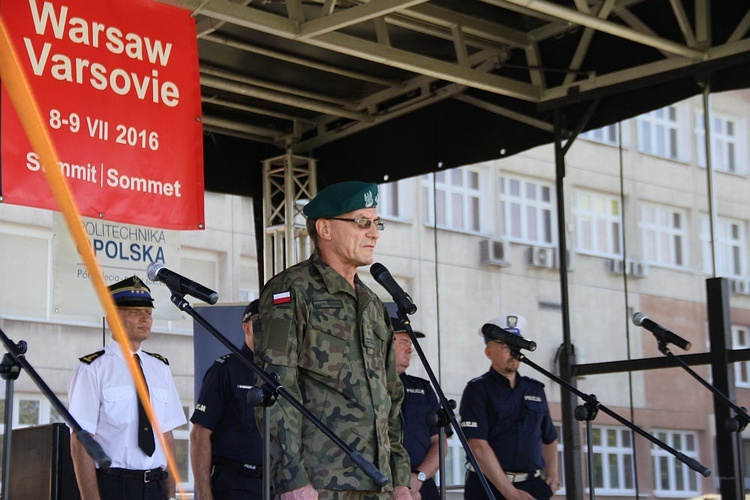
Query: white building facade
472,243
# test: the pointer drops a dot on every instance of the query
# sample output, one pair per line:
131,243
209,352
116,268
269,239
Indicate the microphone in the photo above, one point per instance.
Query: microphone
494,332
400,297
661,333
176,283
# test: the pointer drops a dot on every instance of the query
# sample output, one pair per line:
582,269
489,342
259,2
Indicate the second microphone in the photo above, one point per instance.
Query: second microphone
514,341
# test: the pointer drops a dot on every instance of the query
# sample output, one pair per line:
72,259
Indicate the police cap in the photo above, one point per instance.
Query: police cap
131,292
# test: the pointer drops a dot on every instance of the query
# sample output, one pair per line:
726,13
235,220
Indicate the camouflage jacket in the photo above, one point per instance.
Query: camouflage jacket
332,348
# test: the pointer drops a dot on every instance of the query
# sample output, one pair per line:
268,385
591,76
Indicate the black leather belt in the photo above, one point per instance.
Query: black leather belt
248,470
143,475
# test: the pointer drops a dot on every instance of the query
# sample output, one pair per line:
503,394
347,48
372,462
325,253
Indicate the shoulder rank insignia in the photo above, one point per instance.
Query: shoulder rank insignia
158,356
222,359
89,358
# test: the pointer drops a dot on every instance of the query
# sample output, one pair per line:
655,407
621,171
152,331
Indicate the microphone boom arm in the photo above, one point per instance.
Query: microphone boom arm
690,462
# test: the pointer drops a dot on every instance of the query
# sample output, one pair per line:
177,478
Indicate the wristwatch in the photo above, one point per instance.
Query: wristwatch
421,476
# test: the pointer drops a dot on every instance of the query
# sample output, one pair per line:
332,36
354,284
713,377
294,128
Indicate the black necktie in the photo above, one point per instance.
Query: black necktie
145,432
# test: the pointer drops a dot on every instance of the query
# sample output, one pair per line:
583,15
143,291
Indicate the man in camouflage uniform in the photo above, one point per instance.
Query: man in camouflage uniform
329,339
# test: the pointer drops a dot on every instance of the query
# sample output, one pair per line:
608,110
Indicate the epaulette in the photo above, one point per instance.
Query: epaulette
89,358
222,359
158,356
535,381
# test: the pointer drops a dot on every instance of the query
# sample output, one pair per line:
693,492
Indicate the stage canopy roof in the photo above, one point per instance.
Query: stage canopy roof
399,87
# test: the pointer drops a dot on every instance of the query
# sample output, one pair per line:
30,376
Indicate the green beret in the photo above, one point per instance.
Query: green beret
341,198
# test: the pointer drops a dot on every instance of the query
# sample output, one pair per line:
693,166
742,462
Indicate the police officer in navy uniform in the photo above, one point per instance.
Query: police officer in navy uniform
506,420
225,445
420,438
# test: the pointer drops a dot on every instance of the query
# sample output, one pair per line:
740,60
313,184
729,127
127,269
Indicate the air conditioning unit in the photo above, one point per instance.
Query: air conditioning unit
739,287
543,257
637,269
494,252
634,268
615,266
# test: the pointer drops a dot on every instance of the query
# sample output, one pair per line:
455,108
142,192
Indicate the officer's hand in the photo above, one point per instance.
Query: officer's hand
553,482
401,493
304,493
516,494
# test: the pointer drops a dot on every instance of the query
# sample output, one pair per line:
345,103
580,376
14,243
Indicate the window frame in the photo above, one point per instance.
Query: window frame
658,455
663,137
451,190
726,145
661,232
735,249
607,135
612,222
741,340
525,204
621,453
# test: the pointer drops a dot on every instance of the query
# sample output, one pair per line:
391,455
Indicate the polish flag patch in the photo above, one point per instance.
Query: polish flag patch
282,298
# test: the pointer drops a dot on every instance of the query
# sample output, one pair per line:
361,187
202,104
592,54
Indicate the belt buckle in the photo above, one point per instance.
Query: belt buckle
145,476
517,477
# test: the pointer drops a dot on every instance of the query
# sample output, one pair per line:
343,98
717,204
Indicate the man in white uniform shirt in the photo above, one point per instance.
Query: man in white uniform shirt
104,402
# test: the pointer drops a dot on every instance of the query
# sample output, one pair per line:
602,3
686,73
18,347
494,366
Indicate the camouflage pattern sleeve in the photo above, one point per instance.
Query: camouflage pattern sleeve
276,349
400,466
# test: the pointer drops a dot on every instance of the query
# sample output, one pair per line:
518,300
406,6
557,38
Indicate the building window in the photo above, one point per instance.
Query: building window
388,200
597,224
663,234
657,132
526,210
723,143
453,202
671,476
605,135
741,340
613,460
730,247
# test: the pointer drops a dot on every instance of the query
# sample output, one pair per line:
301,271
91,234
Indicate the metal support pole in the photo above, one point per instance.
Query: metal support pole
722,374
568,401
710,175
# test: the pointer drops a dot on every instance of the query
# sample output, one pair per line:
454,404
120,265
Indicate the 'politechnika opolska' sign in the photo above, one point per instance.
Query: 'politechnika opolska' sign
118,87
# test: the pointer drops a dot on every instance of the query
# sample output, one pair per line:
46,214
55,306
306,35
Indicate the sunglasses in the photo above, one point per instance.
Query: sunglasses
363,223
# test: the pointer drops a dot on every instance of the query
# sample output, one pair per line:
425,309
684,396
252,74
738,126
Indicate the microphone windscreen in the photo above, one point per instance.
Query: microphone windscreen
153,270
638,318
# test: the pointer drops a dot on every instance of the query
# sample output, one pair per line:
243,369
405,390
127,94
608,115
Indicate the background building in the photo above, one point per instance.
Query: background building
471,243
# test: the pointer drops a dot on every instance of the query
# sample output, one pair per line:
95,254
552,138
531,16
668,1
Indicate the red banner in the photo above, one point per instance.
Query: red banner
117,84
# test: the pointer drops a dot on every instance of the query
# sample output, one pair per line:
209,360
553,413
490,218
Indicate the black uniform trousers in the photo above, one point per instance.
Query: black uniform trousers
429,490
118,487
227,484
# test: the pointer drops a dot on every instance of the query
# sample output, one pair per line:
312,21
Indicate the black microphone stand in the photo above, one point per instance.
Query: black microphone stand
734,424
594,404
587,412
439,419
271,389
446,407
10,368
